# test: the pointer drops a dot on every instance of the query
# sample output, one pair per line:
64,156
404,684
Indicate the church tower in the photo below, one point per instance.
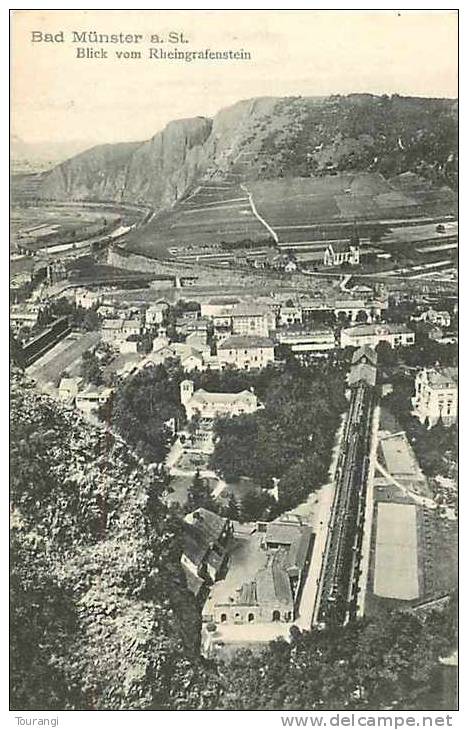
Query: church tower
186,392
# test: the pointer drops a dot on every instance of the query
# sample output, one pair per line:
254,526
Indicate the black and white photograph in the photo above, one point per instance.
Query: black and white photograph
233,366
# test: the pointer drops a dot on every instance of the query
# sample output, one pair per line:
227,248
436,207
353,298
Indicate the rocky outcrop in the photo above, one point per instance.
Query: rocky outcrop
97,174
159,171
266,137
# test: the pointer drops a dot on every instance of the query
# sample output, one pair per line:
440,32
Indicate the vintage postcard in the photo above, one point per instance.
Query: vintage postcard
233,273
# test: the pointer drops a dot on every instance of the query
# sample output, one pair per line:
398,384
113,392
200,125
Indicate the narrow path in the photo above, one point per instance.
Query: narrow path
344,281
258,216
423,501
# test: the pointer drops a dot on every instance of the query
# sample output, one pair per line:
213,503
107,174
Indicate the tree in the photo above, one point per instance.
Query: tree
90,368
91,320
387,356
343,319
146,341
142,407
199,494
255,505
232,508
361,316
95,554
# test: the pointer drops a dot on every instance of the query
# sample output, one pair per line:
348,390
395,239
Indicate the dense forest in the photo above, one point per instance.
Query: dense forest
101,617
386,134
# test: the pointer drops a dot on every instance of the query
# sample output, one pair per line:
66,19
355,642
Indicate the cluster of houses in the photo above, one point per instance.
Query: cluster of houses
87,398
337,253
243,333
252,576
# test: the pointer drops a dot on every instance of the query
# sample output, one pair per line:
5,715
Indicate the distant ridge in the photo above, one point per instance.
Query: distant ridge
277,137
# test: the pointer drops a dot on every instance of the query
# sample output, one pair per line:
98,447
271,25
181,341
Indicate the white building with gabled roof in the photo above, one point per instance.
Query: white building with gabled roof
251,318
436,396
246,352
212,405
397,335
341,252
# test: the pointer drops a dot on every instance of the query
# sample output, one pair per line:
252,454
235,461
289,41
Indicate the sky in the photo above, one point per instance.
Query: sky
58,97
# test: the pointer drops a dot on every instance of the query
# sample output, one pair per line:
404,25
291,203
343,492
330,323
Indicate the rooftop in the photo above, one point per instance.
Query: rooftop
112,324
443,377
245,341
203,396
281,532
272,583
246,309
377,329
202,528
362,371
364,352
70,382
340,246
257,575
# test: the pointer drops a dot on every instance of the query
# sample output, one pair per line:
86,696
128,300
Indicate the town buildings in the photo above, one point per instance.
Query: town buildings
206,540
207,406
440,319
87,299
246,352
24,315
307,340
252,319
217,306
364,367
92,398
436,396
188,324
69,388
397,335
155,314
289,315
115,330
368,309
264,577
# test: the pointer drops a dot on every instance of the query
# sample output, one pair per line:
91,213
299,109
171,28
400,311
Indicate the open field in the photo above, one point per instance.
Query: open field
396,559
299,211
436,552
35,226
214,212
363,196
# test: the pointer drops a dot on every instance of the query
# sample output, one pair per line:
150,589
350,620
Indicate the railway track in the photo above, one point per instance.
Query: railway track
338,589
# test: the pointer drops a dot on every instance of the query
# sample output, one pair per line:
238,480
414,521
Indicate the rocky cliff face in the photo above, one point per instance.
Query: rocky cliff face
97,174
159,171
266,137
